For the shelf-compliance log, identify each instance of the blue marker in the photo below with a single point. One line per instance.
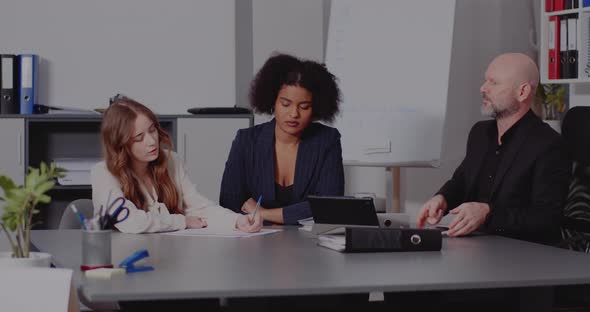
(80, 217)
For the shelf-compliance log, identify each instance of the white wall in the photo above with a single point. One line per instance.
(579, 95)
(170, 55)
(294, 27)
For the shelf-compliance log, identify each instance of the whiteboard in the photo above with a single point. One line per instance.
(392, 59)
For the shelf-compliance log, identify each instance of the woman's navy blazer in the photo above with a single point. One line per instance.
(250, 169)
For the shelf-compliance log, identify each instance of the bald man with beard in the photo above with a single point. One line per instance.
(514, 178)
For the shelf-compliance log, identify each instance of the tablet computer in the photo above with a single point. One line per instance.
(332, 212)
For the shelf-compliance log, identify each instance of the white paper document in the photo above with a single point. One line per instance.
(336, 242)
(35, 289)
(212, 232)
(307, 224)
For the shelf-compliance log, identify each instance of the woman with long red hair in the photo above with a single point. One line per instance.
(140, 166)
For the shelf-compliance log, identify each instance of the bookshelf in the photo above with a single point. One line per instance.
(581, 38)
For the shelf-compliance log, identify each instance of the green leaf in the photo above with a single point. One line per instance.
(21, 200)
(43, 187)
(60, 172)
(43, 168)
(31, 179)
(44, 199)
(11, 224)
(6, 184)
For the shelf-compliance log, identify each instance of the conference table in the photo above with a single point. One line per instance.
(289, 263)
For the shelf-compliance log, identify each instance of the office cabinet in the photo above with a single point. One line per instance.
(204, 144)
(12, 136)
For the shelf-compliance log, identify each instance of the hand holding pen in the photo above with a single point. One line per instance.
(251, 222)
(256, 209)
(249, 206)
(245, 224)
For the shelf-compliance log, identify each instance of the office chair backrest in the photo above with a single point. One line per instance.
(575, 130)
(576, 220)
(69, 220)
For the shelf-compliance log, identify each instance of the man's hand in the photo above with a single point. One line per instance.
(432, 211)
(195, 223)
(468, 218)
(245, 223)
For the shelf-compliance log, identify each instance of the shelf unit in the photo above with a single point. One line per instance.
(582, 44)
(203, 141)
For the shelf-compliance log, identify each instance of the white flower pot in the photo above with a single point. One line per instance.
(555, 124)
(35, 260)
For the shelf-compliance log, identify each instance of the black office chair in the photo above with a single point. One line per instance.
(575, 229)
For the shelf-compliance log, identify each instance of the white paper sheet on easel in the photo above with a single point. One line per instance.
(212, 232)
(34, 289)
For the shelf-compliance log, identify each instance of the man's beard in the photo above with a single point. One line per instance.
(498, 111)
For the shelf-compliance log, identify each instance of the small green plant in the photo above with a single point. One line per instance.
(20, 205)
(551, 100)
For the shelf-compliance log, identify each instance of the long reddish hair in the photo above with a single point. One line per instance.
(116, 134)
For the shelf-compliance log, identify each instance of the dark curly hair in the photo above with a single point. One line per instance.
(286, 70)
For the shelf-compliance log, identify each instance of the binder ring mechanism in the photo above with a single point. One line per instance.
(415, 239)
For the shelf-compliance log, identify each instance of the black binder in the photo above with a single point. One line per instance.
(572, 46)
(380, 239)
(8, 84)
(563, 68)
(570, 4)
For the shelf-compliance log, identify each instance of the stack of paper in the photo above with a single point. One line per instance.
(78, 170)
(306, 224)
(332, 241)
(213, 232)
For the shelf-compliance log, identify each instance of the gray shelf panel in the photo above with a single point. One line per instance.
(73, 139)
(72, 187)
(67, 117)
(69, 138)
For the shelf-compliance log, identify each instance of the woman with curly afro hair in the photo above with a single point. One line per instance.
(291, 156)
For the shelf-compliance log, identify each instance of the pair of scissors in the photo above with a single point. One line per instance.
(120, 214)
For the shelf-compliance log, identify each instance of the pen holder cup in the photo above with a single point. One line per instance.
(96, 249)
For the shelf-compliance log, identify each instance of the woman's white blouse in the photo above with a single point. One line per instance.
(156, 218)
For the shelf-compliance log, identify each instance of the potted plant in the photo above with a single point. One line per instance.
(20, 206)
(551, 104)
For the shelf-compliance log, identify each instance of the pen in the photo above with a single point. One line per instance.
(80, 217)
(256, 209)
